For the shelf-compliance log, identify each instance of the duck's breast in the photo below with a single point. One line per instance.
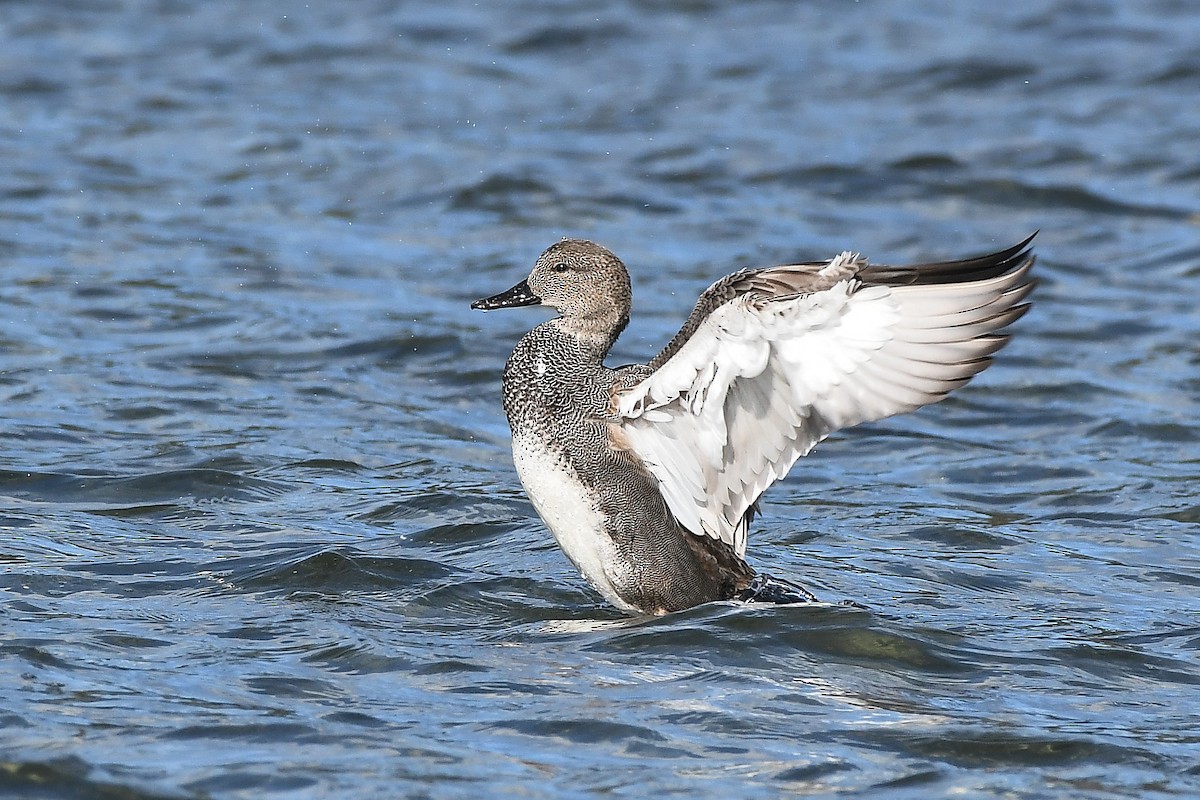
(571, 509)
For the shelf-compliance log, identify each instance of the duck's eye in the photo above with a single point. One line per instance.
(561, 266)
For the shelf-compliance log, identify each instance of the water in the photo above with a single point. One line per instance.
(259, 531)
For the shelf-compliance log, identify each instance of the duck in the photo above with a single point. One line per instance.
(649, 475)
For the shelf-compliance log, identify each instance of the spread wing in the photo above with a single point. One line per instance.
(772, 361)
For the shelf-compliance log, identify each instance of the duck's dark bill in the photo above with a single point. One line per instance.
(519, 295)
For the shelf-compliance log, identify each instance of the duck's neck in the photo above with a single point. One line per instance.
(594, 333)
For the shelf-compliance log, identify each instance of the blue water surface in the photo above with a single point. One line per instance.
(260, 534)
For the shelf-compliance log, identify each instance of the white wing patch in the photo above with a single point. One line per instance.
(763, 379)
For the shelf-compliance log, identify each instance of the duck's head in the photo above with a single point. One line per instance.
(584, 282)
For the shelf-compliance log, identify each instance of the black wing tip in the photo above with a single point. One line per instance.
(1019, 256)
(1001, 261)
(1018, 252)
